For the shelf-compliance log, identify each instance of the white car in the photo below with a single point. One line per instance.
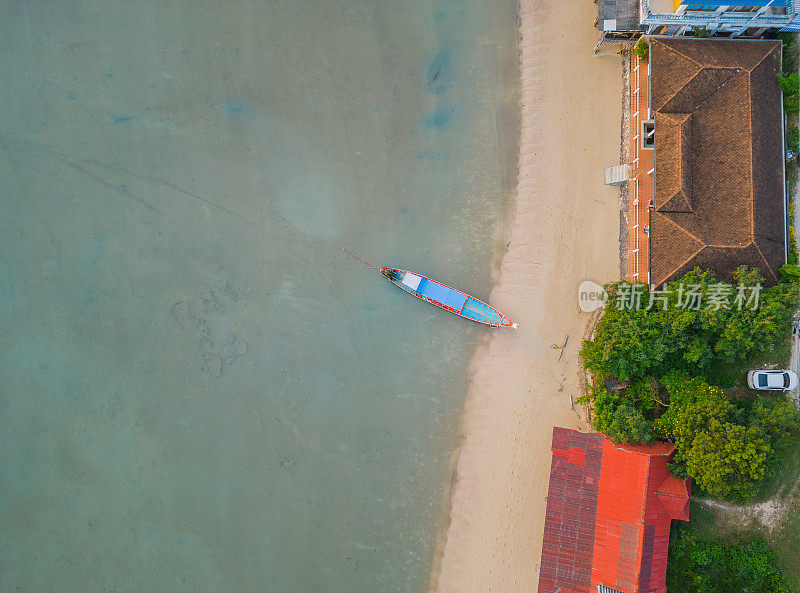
(772, 380)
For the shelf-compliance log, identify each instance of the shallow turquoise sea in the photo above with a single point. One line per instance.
(198, 390)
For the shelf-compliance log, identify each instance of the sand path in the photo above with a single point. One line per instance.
(565, 230)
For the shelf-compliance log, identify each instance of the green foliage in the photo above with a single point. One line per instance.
(790, 273)
(699, 32)
(697, 566)
(788, 83)
(626, 415)
(641, 49)
(793, 257)
(632, 344)
(659, 359)
(628, 425)
(727, 449)
(683, 391)
(778, 419)
(725, 459)
(793, 140)
(791, 52)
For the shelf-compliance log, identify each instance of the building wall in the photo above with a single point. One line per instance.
(641, 184)
(723, 19)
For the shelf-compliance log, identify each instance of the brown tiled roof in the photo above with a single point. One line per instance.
(719, 198)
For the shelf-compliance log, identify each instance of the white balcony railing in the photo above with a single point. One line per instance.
(765, 17)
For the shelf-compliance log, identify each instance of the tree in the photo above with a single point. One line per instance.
(684, 391)
(664, 357)
(724, 458)
(790, 51)
(697, 566)
(793, 140)
(788, 84)
(790, 273)
(641, 49)
(628, 425)
(631, 343)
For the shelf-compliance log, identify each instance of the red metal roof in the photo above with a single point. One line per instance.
(608, 515)
(568, 543)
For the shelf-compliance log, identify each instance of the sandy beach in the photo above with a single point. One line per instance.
(565, 230)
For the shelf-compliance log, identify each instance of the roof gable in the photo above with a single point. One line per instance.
(674, 178)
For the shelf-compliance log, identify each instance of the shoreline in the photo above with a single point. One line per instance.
(563, 230)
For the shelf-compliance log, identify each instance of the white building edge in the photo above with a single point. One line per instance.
(619, 19)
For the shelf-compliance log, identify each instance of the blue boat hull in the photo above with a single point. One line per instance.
(447, 298)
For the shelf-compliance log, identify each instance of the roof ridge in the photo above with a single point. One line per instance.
(766, 55)
(669, 199)
(683, 55)
(675, 224)
(673, 115)
(658, 493)
(644, 494)
(764, 259)
(622, 447)
(738, 70)
(687, 260)
(663, 42)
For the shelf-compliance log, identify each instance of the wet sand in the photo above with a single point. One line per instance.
(565, 230)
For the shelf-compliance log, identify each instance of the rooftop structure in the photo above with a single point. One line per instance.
(609, 509)
(618, 15)
(749, 18)
(706, 155)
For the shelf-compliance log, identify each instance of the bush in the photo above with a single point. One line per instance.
(658, 361)
(635, 344)
(697, 566)
(788, 83)
(793, 140)
(791, 52)
(724, 458)
(793, 257)
(790, 273)
(726, 448)
(641, 49)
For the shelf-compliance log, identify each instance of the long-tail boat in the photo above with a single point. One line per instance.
(443, 296)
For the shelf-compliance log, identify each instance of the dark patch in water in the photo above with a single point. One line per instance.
(441, 118)
(235, 107)
(437, 72)
(122, 119)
